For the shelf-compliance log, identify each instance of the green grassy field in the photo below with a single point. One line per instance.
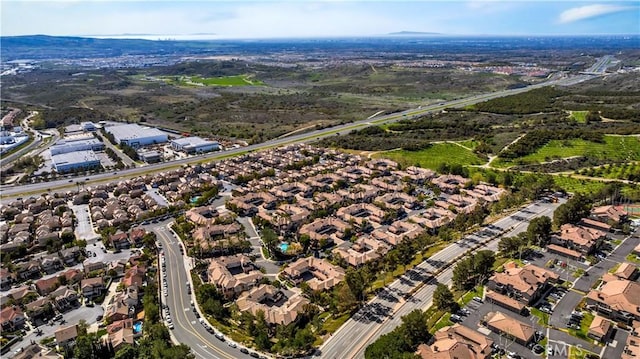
(240, 80)
(227, 81)
(433, 156)
(579, 116)
(575, 185)
(623, 148)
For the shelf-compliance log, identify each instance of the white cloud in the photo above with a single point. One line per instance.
(590, 11)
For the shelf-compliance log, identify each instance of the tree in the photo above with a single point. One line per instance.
(389, 346)
(127, 352)
(483, 262)
(576, 208)
(509, 246)
(461, 273)
(443, 298)
(356, 283)
(270, 239)
(414, 328)
(539, 231)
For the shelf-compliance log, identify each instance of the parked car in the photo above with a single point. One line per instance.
(478, 299)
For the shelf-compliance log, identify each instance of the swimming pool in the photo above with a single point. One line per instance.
(137, 327)
(195, 199)
(283, 247)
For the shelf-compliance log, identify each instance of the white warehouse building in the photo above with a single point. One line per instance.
(67, 162)
(63, 146)
(194, 145)
(136, 136)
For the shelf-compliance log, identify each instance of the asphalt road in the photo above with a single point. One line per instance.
(384, 312)
(10, 192)
(188, 329)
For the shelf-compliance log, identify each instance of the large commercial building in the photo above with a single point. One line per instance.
(64, 146)
(194, 145)
(81, 160)
(136, 136)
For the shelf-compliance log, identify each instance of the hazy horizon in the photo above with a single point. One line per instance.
(312, 19)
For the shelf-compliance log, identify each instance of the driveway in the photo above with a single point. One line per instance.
(480, 310)
(84, 228)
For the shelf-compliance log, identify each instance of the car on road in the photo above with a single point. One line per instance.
(254, 355)
(171, 326)
(233, 345)
(244, 350)
(219, 336)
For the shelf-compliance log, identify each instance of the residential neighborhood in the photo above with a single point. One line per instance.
(271, 236)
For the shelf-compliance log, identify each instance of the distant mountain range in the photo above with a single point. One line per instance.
(43, 47)
(414, 33)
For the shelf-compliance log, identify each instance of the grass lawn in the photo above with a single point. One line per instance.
(469, 143)
(240, 80)
(433, 156)
(579, 116)
(468, 296)
(579, 353)
(623, 148)
(332, 324)
(543, 318)
(633, 258)
(584, 327)
(445, 321)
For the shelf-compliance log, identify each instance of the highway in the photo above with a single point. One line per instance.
(188, 329)
(7, 192)
(384, 312)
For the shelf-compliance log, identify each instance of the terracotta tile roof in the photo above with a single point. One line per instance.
(600, 326)
(510, 326)
(618, 294)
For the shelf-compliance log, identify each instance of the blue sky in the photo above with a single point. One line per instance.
(300, 18)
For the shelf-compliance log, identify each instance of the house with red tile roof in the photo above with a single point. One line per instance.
(498, 322)
(362, 250)
(526, 284)
(457, 342)
(233, 274)
(618, 299)
(582, 239)
(277, 308)
(46, 286)
(610, 214)
(12, 318)
(318, 273)
(600, 329)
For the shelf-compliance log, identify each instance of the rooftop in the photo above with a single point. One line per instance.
(74, 157)
(133, 131)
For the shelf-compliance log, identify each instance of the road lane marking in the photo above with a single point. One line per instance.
(186, 328)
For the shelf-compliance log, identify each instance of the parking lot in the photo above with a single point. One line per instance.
(479, 310)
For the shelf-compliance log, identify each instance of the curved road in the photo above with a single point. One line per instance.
(38, 188)
(188, 329)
